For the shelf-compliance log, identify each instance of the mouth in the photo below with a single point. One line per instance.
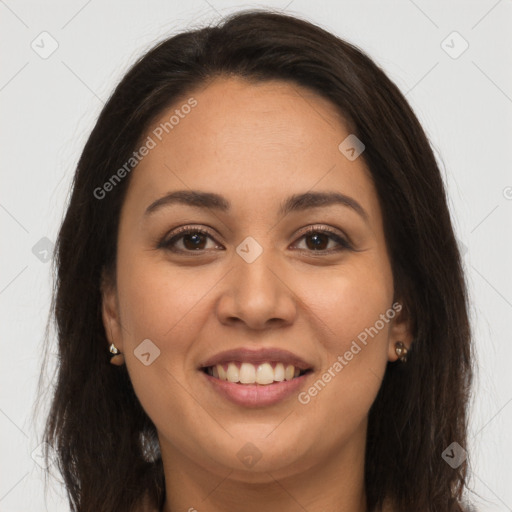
(255, 378)
(261, 374)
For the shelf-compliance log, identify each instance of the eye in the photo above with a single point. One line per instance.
(317, 239)
(189, 239)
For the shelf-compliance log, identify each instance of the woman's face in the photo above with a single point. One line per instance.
(257, 156)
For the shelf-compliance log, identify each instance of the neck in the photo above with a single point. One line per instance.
(334, 483)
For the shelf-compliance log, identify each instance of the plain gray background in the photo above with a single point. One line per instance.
(49, 104)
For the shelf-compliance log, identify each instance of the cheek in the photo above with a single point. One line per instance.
(348, 301)
(161, 304)
(353, 310)
(156, 298)
(355, 313)
(164, 302)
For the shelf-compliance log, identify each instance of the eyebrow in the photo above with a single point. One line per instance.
(294, 203)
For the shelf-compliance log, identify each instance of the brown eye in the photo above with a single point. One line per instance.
(194, 241)
(191, 240)
(319, 241)
(318, 238)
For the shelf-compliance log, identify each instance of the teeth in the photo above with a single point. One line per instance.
(279, 372)
(251, 374)
(264, 374)
(232, 373)
(289, 372)
(247, 373)
(222, 373)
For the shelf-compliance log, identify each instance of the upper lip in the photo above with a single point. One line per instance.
(258, 356)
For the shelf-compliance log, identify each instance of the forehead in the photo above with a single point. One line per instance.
(249, 140)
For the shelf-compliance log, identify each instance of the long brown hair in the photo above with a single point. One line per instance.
(106, 446)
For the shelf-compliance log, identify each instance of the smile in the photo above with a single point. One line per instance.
(247, 373)
(244, 389)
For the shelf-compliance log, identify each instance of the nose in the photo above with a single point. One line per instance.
(257, 294)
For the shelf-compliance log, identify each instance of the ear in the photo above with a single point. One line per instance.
(400, 329)
(110, 310)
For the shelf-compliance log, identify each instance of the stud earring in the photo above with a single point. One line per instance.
(401, 351)
(117, 358)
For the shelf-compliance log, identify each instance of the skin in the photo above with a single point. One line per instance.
(256, 144)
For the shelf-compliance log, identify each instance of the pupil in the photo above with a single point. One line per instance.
(317, 241)
(196, 237)
(193, 241)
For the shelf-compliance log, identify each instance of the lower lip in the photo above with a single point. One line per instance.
(256, 395)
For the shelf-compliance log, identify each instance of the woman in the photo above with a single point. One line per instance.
(258, 236)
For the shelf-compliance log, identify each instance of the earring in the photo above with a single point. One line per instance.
(117, 358)
(401, 351)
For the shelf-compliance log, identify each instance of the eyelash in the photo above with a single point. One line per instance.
(167, 243)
